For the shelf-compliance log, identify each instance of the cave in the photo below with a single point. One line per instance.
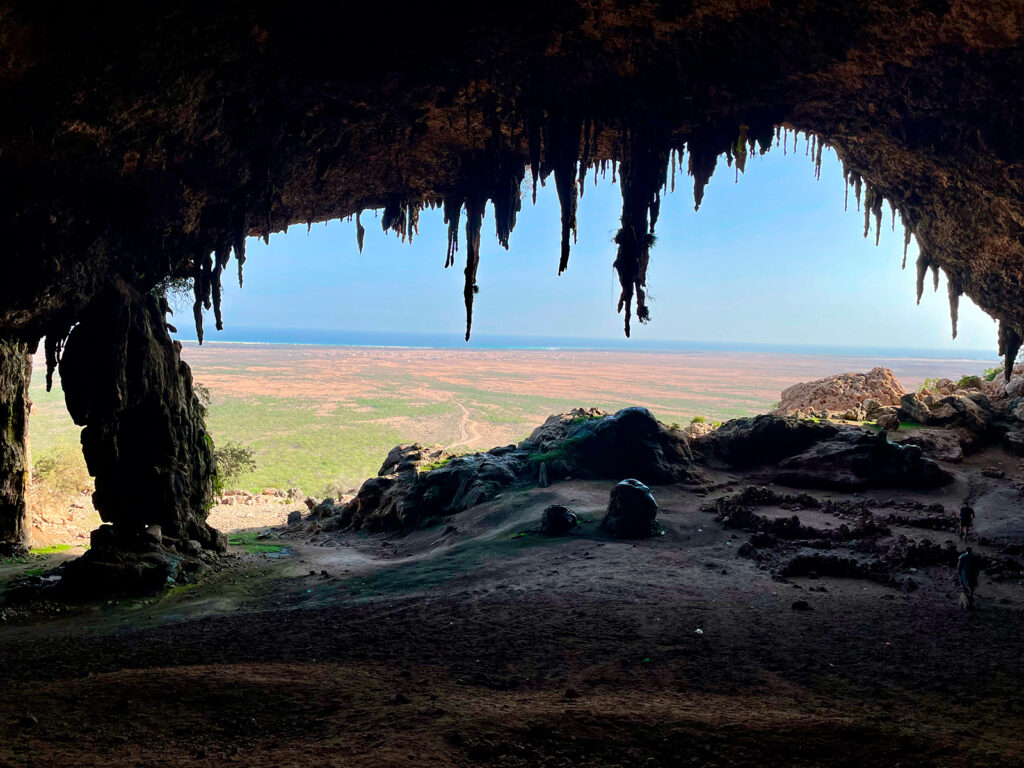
(140, 147)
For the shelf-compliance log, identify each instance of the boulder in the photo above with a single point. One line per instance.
(855, 460)
(294, 517)
(888, 422)
(632, 443)
(871, 408)
(764, 439)
(912, 407)
(842, 392)
(557, 520)
(1013, 440)
(409, 456)
(631, 511)
(697, 429)
(1014, 387)
(938, 444)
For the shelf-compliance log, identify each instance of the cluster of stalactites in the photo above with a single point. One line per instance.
(565, 145)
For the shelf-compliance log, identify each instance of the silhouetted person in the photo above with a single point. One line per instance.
(966, 521)
(967, 575)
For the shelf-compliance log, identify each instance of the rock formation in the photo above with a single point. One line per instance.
(15, 373)
(632, 510)
(841, 393)
(147, 148)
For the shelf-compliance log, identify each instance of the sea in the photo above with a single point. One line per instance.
(419, 340)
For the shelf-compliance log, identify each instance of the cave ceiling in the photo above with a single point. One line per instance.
(147, 142)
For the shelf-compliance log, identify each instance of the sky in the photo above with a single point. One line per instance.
(772, 259)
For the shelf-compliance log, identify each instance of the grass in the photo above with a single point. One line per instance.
(55, 549)
(249, 542)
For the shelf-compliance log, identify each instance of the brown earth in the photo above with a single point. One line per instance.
(482, 643)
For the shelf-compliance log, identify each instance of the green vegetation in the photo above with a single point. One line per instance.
(969, 382)
(698, 420)
(583, 418)
(927, 384)
(56, 549)
(234, 460)
(61, 467)
(565, 452)
(991, 373)
(250, 542)
(442, 462)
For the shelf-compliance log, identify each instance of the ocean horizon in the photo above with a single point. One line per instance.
(417, 340)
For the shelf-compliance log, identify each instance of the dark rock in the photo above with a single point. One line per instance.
(993, 472)
(913, 408)
(854, 460)
(631, 511)
(764, 439)
(557, 520)
(295, 516)
(943, 444)
(802, 605)
(632, 443)
(409, 456)
(542, 475)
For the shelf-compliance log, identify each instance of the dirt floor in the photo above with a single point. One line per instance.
(481, 642)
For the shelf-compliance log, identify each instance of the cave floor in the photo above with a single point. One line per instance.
(484, 643)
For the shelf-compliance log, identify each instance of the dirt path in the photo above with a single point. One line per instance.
(467, 434)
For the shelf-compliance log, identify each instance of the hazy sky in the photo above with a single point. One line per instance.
(772, 259)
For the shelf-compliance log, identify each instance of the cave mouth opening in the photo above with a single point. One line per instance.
(731, 164)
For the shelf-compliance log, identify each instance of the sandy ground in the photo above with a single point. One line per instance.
(480, 642)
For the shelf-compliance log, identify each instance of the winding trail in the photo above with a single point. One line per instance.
(466, 433)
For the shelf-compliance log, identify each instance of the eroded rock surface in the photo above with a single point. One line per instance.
(632, 511)
(841, 393)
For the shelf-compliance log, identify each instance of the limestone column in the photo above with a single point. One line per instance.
(15, 374)
(144, 435)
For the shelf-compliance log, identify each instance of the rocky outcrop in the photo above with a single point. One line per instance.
(15, 374)
(853, 460)
(632, 511)
(763, 439)
(842, 393)
(408, 456)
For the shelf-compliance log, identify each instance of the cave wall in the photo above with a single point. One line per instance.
(15, 375)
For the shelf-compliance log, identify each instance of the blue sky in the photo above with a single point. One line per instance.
(771, 259)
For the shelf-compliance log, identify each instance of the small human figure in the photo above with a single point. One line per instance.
(967, 575)
(966, 521)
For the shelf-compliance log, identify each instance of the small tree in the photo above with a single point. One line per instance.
(233, 461)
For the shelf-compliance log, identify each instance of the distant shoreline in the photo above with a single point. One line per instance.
(412, 341)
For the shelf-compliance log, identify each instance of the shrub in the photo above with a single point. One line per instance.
(62, 469)
(233, 460)
(969, 382)
(991, 373)
(928, 384)
(698, 420)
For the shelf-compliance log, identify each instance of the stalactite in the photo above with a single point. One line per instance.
(1009, 346)
(869, 199)
(239, 248)
(360, 231)
(955, 291)
(452, 211)
(702, 165)
(474, 221)
(643, 176)
(561, 156)
(876, 209)
(907, 233)
(817, 161)
(935, 276)
(201, 282)
(856, 188)
(922, 270)
(221, 256)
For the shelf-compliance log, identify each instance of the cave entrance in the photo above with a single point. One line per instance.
(772, 260)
